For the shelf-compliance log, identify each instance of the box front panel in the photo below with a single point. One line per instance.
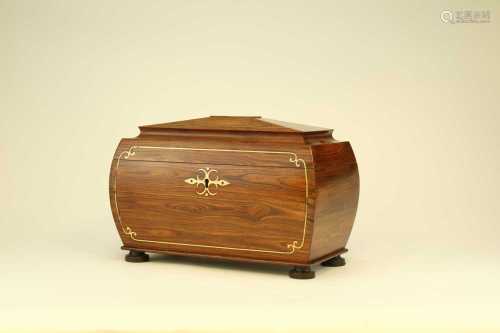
(238, 211)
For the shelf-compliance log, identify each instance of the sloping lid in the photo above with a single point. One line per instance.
(236, 124)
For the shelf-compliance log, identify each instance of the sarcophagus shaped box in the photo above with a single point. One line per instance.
(240, 188)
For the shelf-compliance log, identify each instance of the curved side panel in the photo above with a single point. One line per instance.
(112, 192)
(337, 193)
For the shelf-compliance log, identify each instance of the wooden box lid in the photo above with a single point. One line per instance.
(233, 124)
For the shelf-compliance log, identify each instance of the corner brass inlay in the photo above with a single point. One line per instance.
(291, 247)
(203, 178)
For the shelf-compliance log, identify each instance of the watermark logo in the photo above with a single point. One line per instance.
(465, 16)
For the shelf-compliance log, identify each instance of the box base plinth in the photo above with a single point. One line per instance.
(299, 270)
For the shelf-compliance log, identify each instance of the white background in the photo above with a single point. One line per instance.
(417, 98)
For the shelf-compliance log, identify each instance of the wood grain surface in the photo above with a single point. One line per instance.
(337, 192)
(289, 200)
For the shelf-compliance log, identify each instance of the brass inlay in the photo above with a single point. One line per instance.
(291, 247)
(205, 181)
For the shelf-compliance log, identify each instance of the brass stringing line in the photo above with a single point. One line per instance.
(116, 190)
(293, 159)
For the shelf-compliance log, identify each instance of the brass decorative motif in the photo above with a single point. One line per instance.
(291, 247)
(206, 182)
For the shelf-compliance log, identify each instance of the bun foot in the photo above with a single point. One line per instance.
(334, 262)
(301, 272)
(136, 256)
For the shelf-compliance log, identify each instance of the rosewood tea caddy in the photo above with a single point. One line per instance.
(237, 188)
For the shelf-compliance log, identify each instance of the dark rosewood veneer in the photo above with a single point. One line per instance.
(238, 188)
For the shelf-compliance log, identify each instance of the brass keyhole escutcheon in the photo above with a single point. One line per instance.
(203, 179)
